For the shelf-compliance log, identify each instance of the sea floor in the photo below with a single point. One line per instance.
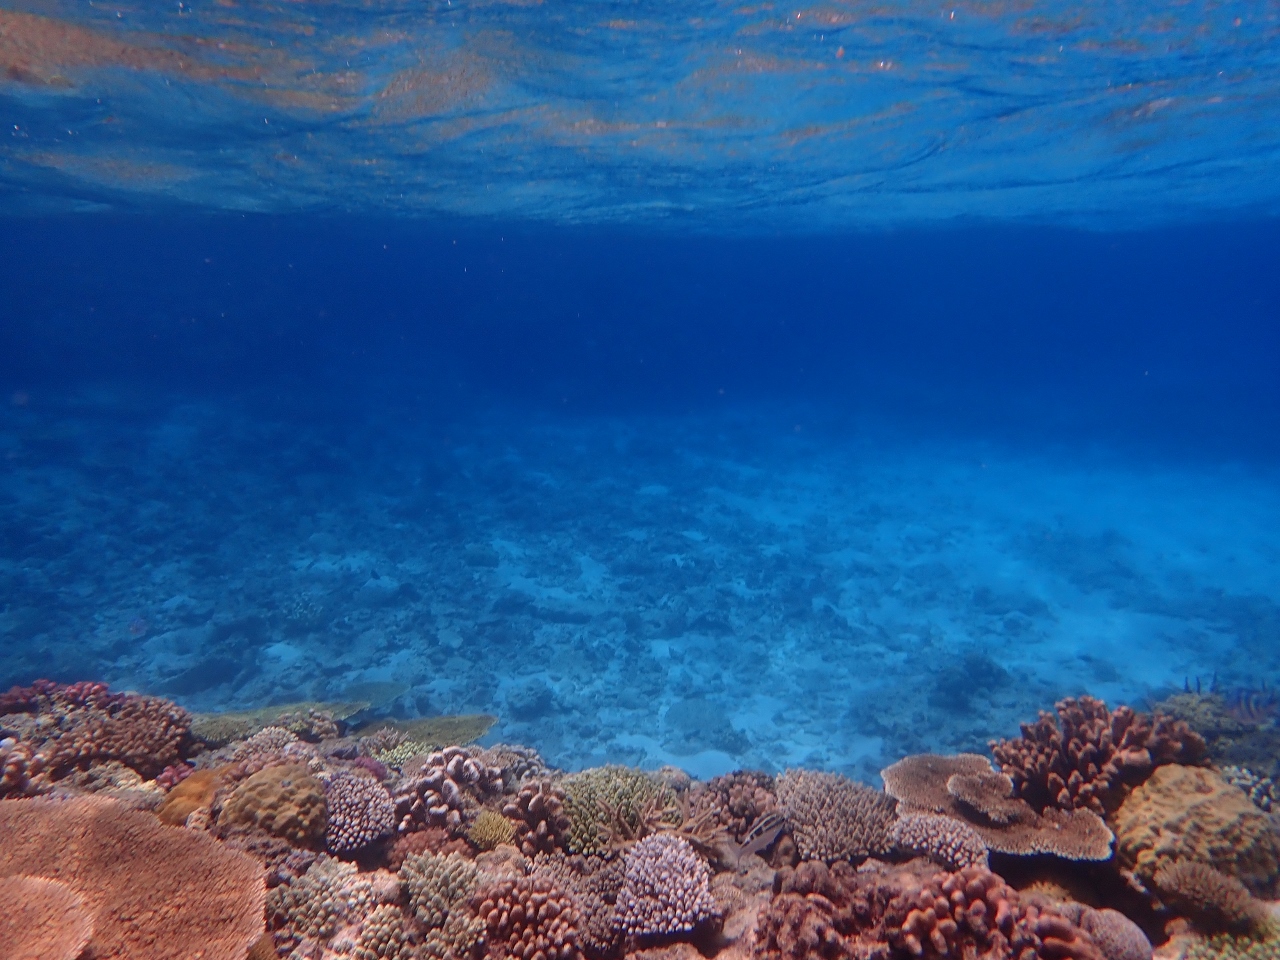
(744, 588)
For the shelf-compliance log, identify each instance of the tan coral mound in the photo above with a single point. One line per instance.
(286, 801)
(1188, 813)
(153, 891)
(42, 920)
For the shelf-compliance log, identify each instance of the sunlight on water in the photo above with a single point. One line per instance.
(793, 115)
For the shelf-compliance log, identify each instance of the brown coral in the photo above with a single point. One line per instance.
(1216, 902)
(736, 801)
(528, 918)
(965, 787)
(834, 818)
(20, 769)
(594, 884)
(944, 840)
(447, 785)
(1189, 813)
(286, 801)
(1088, 757)
(154, 890)
(541, 823)
(42, 920)
(193, 793)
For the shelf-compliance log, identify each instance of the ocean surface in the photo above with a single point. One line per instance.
(706, 384)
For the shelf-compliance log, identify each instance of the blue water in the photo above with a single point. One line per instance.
(646, 497)
(710, 384)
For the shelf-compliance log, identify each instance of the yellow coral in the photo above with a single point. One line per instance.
(490, 830)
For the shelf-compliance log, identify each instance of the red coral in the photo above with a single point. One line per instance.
(1089, 757)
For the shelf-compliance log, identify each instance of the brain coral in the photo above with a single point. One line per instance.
(944, 840)
(153, 890)
(42, 920)
(1088, 757)
(1189, 813)
(286, 801)
(666, 888)
(528, 918)
(359, 813)
(833, 818)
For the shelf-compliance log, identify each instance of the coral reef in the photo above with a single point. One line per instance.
(1260, 790)
(1233, 947)
(195, 792)
(1088, 757)
(541, 824)
(42, 919)
(360, 812)
(286, 801)
(944, 840)
(528, 918)
(135, 876)
(832, 817)
(666, 888)
(736, 801)
(491, 830)
(964, 786)
(1189, 813)
(20, 770)
(594, 884)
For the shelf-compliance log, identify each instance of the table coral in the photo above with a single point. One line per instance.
(286, 801)
(832, 817)
(666, 888)
(360, 812)
(1089, 757)
(42, 919)
(528, 918)
(1189, 813)
(964, 786)
(153, 890)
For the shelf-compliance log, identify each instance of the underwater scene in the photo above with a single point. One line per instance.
(619, 480)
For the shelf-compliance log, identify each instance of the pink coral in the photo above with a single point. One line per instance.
(666, 888)
(42, 920)
(20, 769)
(447, 784)
(528, 918)
(944, 840)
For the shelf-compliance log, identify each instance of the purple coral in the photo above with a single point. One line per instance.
(360, 812)
(436, 798)
(666, 888)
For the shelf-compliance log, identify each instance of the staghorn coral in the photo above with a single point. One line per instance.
(736, 801)
(286, 801)
(448, 783)
(1088, 757)
(1216, 902)
(137, 877)
(965, 787)
(384, 936)
(666, 888)
(491, 830)
(80, 724)
(42, 920)
(944, 840)
(1189, 813)
(834, 818)
(605, 800)
(528, 918)
(540, 821)
(359, 813)
(437, 885)
(974, 912)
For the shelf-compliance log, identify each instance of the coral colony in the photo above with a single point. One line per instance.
(132, 830)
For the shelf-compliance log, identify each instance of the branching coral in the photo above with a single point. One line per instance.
(448, 783)
(666, 888)
(491, 830)
(594, 884)
(1216, 902)
(944, 840)
(604, 801)
(153, 890)
(1088, 757)
(541, 824)
(20, 770)
(359, 813)
(736, 801)
(528, 918)
(834, 818)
